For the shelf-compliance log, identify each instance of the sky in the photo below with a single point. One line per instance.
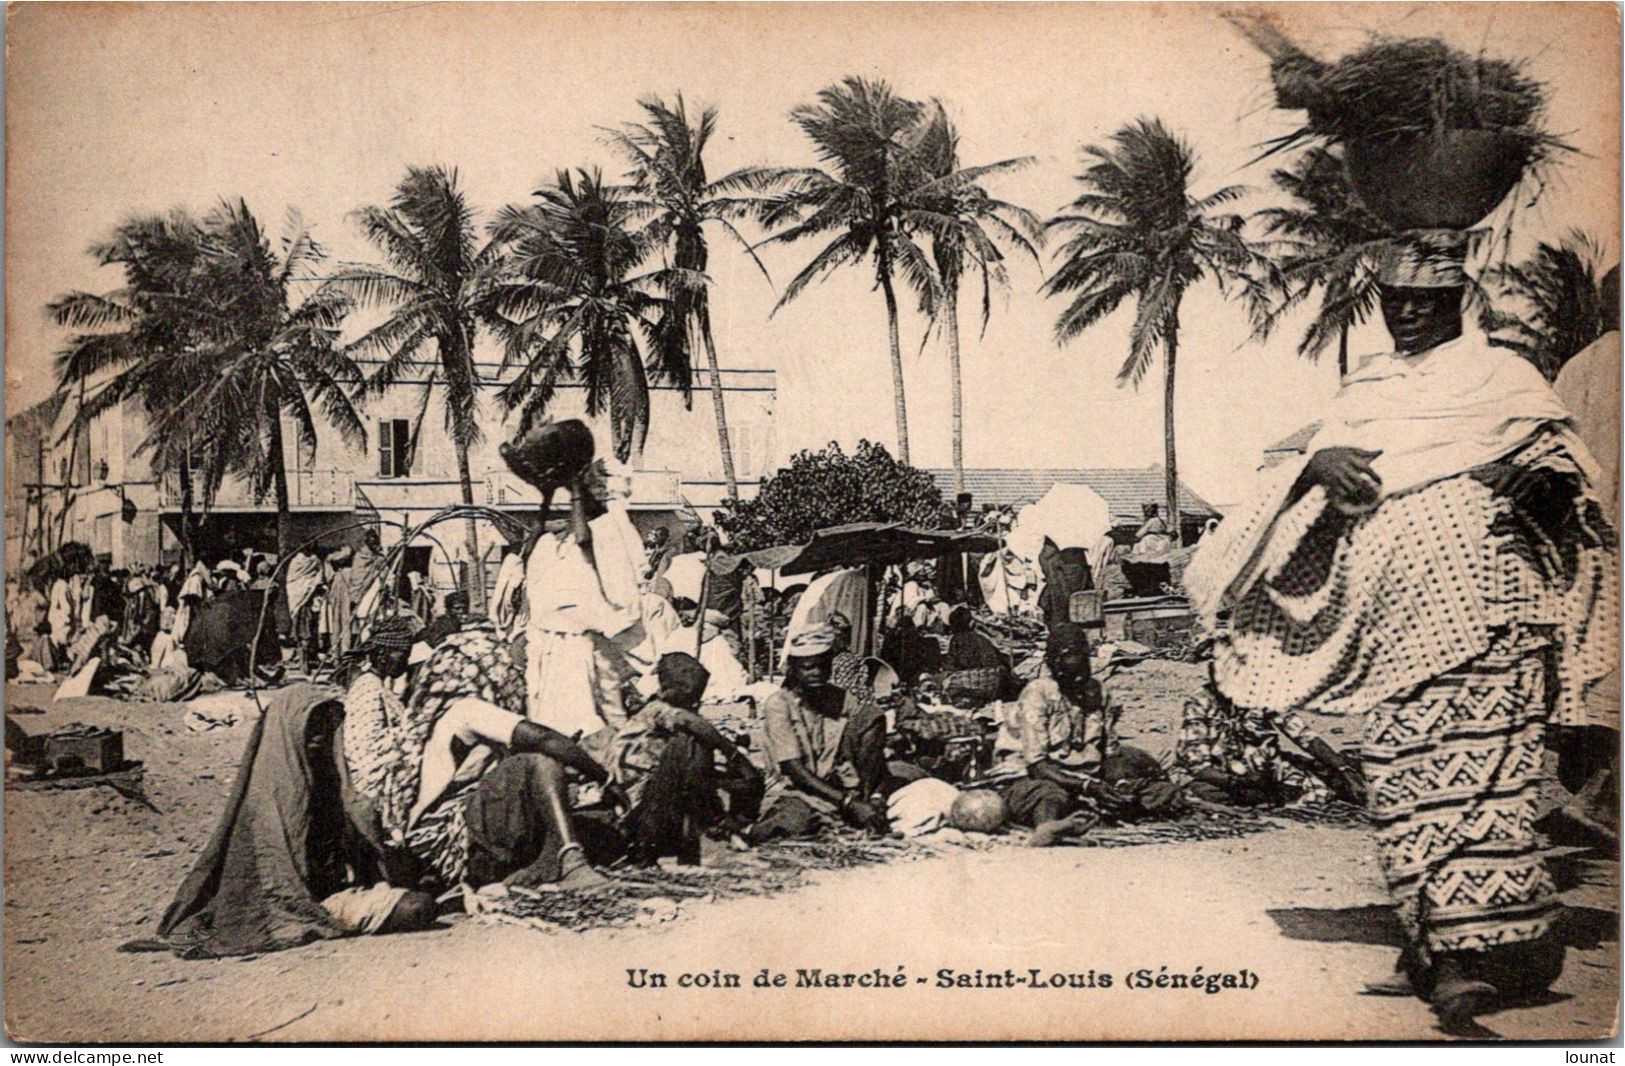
(114, 110)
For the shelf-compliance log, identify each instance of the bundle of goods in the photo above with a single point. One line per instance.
(970, 689)
(1016, 636)
(1432, 137)
(953, 747)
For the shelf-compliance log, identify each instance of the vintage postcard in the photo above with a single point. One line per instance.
(839, 522)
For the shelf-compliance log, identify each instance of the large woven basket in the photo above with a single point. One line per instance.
(1447, 180)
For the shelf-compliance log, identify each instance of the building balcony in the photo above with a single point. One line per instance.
(308, 490)
(652, 490)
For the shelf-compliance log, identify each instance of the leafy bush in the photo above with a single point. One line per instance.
(830, 488)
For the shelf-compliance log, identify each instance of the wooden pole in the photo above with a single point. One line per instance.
(705, 598)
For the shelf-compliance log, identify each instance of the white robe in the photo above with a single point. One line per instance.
(574, 666)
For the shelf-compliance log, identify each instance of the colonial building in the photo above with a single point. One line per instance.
(87, 486)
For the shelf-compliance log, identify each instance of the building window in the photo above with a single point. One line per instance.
(394, 447)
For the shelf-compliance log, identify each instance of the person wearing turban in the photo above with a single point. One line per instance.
(1440, 565)
(665, 759)
(825, 749)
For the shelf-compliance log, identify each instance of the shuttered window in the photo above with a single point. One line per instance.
(394, 447)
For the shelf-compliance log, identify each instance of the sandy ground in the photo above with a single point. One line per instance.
(1303, 908)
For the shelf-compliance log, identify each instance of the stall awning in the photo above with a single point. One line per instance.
(859, 544)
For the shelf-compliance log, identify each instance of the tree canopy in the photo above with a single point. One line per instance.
(830, 488)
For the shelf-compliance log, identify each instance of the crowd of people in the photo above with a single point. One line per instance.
(72, 616)
(1440, 565)
(561, 734)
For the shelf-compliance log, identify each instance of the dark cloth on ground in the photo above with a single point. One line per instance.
(1032, 801)
(1134, 774)
(790, 818)
(510, 828)
(682, 798)
(253, 890)
(221, 635)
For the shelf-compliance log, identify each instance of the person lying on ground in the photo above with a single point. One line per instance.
(472, 791)
(665, 759)
(1061, 766)
(1232, 755)
(826, 751)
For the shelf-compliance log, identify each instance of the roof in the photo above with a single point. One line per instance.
(1297, 442)
(1124, 490)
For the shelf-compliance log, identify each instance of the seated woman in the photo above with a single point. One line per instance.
(1232, 755)
(471, 790)
(290, 861)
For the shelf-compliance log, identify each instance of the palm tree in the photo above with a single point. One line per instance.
(128, 340)
(868, 136)
(433, 279)
(264, 353)
(574, 304)
(226, 351)
(667, 157)
(966, 226)
(1327, 241)
(1553, 304)
(1136, 232)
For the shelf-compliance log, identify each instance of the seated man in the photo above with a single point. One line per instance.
(825, 750)
(665, 759)
(454, 618)
(968, 649)
(1061, 763)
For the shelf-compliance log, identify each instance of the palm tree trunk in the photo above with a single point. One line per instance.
(896, 365)
(1342, 353)
(279, 481)
(950, 300)
(188, 498)
(723, 442)
(476, 567)
(1170, 462)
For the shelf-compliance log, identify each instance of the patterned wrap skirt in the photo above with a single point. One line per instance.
(475, 661)
(1454, 769)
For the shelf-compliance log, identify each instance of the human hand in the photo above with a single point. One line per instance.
(1110, 801)
(616, 797)
(865, 815)
(1346, 475)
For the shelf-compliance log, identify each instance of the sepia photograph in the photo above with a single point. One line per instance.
(841, 522)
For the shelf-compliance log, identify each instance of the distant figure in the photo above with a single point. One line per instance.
(453, 620)
(1152, 541)
(1066, 571)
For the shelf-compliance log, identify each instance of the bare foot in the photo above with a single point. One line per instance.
(1062, 830)
(576, 873)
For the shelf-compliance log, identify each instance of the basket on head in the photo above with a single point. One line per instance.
(1449, 179)
(549, 453)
